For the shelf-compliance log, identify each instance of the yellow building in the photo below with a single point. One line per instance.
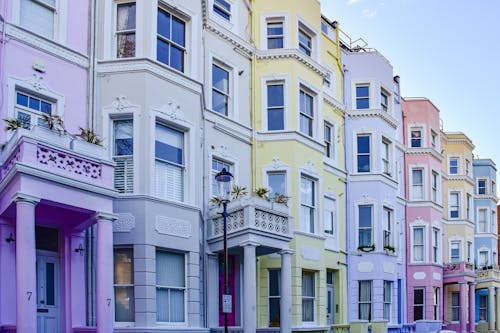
(298, 151)
(458, 216)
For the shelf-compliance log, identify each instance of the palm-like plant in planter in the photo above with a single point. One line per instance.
(90, 136)
(54, 123)
(14, 124)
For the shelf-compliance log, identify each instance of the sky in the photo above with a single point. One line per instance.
(445, 50)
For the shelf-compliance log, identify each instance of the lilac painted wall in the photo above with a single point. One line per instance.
(379, 188)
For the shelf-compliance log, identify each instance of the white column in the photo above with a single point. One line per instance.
(249, 288)
(25, 264)
(491, 312)
(472, 308)
(286, 291)
(498, 310)
(104, 273)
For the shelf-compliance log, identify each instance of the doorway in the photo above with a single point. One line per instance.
(330, 298)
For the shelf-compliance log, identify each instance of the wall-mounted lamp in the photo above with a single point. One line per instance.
(10, 239)
(334, 24)
(80, 249)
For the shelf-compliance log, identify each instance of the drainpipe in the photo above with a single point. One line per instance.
(348, 238)
(3, 41)
(92, 62)
(204, 213)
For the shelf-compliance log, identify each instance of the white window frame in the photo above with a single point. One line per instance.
(125, 158)
(308, 49)
(434, 140)
(370, 154)
(277, 37)
(423, 245)
(387, 299)
(230, 87)
(174, 12)
(435, 302)
(485, 180)
(372, 225)
(413, 185)
(332, 217)
(275, 80)
(127, 31)
(385, 107)
(436, 245)
(486, 222)
(127, 285)
(468, 206)
(271, 172)
(419, 304)
(224, 10)
(269, 296)
(185, 289)
(313, 297)
(369, 302)
(330, 148)
(314, 206)
(388, 226)
(450, 158)
(422, 139)
(459, 195)
(59, 11)
(213, 172)
(272, 18)
(435, 187)
(356, 97)
(486, 252)
(36, 116)
(386, 156)
(451, 243)
(313, 118)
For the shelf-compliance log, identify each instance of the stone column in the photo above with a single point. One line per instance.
(249, 288)
(104, 273)
(25, 264)
(463, 308)
(491, 308)
(498, 310)
(444, 310)
(286, 291)
(472, 308)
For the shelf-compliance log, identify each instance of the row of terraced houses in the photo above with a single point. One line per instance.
(119, 114)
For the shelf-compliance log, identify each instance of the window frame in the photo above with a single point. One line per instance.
(457, 167)
(281, 37)
(455, 308)
(329, 144)
(269, 296)
(117, 32)
(436, 245)
(385, 106)
(309, 297)
(483, 307)
(419, 305)
(414, 186)
(124, 285)
(485, 187)
(183, 48)
(55, 15)
(224, 163)
(224, 10)
(388, 226)
(360, 98)
(365, 302)
(452, 207)
(312, 208)
(358, 154)
(182, 166)
(386, 156)
(285, 183)
(413, 140)
(415, 245)
(483, 252)
(127, 188)
(370, 228)
(226, 94)
(305, 49)
(435, 182)
(387, 299)
(267, 107)
(458, 244)
(333, 216)
(35, 115)
(308, 95)
(486, 222)
(185, 289)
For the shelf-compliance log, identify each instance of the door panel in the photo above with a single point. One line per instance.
(48, 286)
(330, 304)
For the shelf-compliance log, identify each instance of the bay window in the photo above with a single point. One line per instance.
(365, 225)
(307, 204)
(275, 107)
(170, 40)
(123, 155)
(306, 113)
(365, 300)
(125, 29)
(308, 296)
(124, 284)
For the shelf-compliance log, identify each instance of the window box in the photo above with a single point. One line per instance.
(389, 248)
(366, 248)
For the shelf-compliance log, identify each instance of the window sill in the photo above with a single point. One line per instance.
(309, 234)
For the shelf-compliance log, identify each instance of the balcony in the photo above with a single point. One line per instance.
(41, 150)
(251, 219)
(488, 274)
(454, 272)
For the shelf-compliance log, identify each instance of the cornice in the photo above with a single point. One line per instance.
(238, 42)
(486, 197)
(374, 113)
(229, 127)
(46, 45)
(276, 54)
(334, 103)
(152, 67)
(458, 178)
(425, 151)
(291, 136)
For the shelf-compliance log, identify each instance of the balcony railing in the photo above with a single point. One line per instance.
(458, 267)
(252, 214)
(42, 149)
(487, 273)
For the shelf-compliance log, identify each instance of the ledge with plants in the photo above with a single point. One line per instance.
(389, 248)
(366, 248)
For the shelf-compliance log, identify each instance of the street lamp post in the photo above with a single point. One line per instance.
(224, 180)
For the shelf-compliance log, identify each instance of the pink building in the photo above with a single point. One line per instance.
(424, 213)
(53, 185)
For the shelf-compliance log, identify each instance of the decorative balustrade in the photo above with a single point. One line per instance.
(62, 154)
(339, 328)
(458, 268)
(487, 273)
(254, 214)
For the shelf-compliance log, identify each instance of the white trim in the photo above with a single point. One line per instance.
(365, 201)
(459, 165)
(310, 171)
(230, 24)
(227, 65)
(422, 127)
(317, 108)
(461, 247)
(423, 168)
(332, 241)
(285, 80)
(424, 225)
(303, 25)
(460, 208)
(275, 17)
(372, 135)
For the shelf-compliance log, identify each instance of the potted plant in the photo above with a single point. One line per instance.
(281, 199)
(54, 123)
(90, 136)
(262, 192)
(366, 248)
(389, 248)
(14, 124)
(238, 192)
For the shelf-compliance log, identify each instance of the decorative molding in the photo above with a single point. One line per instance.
(124, 223)
(172, 110)
(121, 104)
(277, 164)
(419, 275)
(334, 103)
(365, 267)
(310, 253)
(389, 268)
(354, 113)
(68, 163)
(26, 37)
(247, 48)
(277, 54)
(173, 227)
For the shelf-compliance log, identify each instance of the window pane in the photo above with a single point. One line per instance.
(277, 183)
(162, 304)
(162, 49)
(170, 269)
(50, 283)
(274, 29)
(177, 58)
(362, 91)
(220, 78)
(275, 95)
(274, 312)
(24, 118)
(123, 133)
(362, 103)
(126, 45)
(169, 144)
(37, 18)
(34, 103)
(163, 21)
(126, 16)
(124, 304)
(275, 43)
(22, 99)
(219, 102)
(124, 271)
(275, 119)
(178, 32)
(365, 216)
(176, 305)
(274, 282)
(364, 144)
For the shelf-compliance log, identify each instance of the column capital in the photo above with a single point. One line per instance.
(105, 216)
(286, 251)
(249, 243)
(23, 197)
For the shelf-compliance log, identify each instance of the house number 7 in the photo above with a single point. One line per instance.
(29, 293)
(108, 300)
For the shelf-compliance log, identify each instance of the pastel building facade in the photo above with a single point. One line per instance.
(149, 107)
(298, 151)
(459, 228)
(53, 184)
(487, 297)
(424, 212)
(375, 190)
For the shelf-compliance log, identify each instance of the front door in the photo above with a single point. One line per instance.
(48, 286)
(330, 299)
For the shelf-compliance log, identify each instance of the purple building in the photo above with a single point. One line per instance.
(375, 190)
(53, 184)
